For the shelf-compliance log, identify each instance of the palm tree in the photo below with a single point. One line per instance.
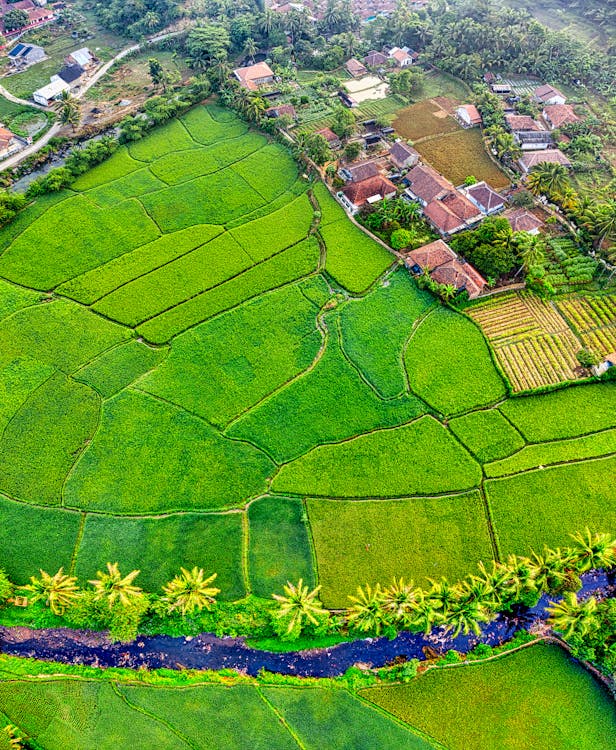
(114, 588)
(593, 551)
(58, 591)
(549, 179)
(549, 569)
(572, 616)
(254, 106)
(250, 48)
(190, 591)
(605, 222)
(299, 603)
(68, 107)
(465, 614)
(447, 292)
(532, 251)
(367, 611)
(426, 612)
(398, 600)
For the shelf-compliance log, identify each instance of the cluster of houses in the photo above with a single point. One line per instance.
(78, 64)
(389, 57)
(38, 12)
(533, 136)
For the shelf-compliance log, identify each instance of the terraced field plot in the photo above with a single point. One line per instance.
(533, 342)
(198, 369)
(594, 320)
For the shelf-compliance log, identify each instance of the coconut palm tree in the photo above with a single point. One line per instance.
(299, 604)
(426, 612)
(114, 588)
(447, 292)
(593, 551)
(68, 108)
(250, 48)
(532, 251)
(570, 616)
(548, 179)
(605, 221)
(549, 569)
(398, 600)
(254, 107)
(190, 591)
(367, 611)
(497, 583)
(465, 615)
(58, 591)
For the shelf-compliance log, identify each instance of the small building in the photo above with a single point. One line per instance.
(39, 16)
(489, 78)
(403, 56)
(358, 172)
(501, 88)
(9, 143)
(522, 220)
(549, 156)
(280, 110)
(332, 139)
(452, 213)
(403, 156)
(347, 99)
(82, 57)
(549, 95)
(444, 267)
(469, 116)
(487, 200)
(460, 274)
(429, 257)
(71, 74)
(252, 77)
(558, 115)
(46, 95)
(355, 68)
(519, 123)
(533, 140)
(372, 190)
(24, 55)
(425, 184)
(375, 59)
(603, 367)
(372, 139)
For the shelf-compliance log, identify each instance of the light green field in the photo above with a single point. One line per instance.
(536, 698)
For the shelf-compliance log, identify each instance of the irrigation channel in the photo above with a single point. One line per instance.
(207, 651)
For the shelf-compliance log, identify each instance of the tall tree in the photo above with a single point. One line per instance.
(57, 591)
(299, 604)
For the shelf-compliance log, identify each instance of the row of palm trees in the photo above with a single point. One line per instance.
(464, 606)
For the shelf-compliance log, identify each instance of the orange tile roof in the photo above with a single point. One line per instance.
(460, 274)
(560, 114)
(359, 192)
(426, 183)
(430, 256)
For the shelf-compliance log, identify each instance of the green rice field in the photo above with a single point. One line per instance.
(198, 367)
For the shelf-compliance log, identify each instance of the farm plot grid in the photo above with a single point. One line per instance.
(594, 320)
(533, 343)
(198, 368)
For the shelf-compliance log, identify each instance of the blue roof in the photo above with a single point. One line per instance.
(17, 50)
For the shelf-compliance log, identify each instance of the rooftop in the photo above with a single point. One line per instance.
(522, 122)
(359, 192)
(549, 155)
(426, 183)
(560, 114)
(430, 256)
(462, 275)
(485, 196)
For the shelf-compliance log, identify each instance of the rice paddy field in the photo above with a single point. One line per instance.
(198, 368)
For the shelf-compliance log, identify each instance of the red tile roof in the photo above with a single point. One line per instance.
(328, 134)
(546, 92)
(426, 183)
(251, 74)
(522, 122)
(560, 114)
(460, 274)
(374, 59)
(359, 192)
(550, 156)
(473, 113)
(430, 256)
(355, 68)
(6, 136)
(485, 197)
(522, 220)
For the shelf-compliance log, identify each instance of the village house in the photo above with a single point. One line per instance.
(549, 95)
(425, 184)
(403, 156)
(468, 116)
(9, 143)
(500, 88)
(332, 139)
(372, 190)
(24, 55)
(444, 267)
(557, 115)
(355, 68)
(37, 16)
(403, 56)
(521, 220)
(358, 172)
(522, 123)
(452, 213)
(375, 59)
(549, 156)
(280, 110)
(487, 200)
(82, 57)
(252, 77)
(46, 95)
(528, 133)
(70, 74)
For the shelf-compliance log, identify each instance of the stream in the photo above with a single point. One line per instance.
(207, 651)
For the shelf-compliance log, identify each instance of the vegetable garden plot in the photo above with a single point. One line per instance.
(359, 542)
(594, 319)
